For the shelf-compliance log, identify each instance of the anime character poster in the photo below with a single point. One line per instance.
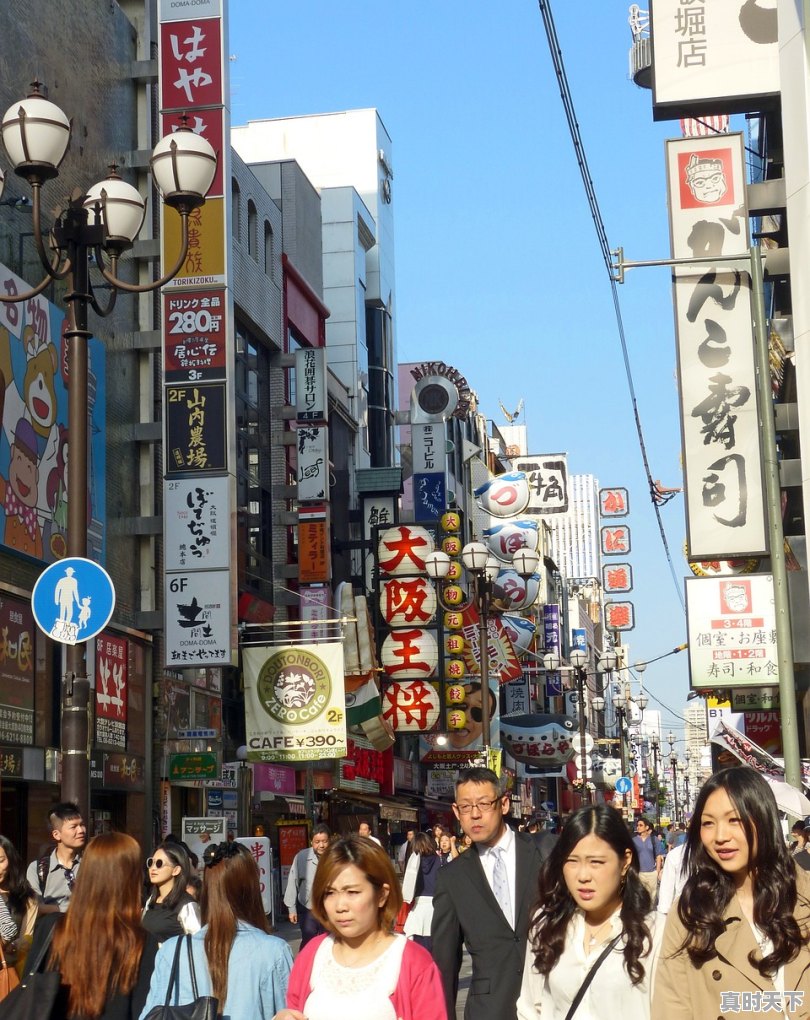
(34, 439)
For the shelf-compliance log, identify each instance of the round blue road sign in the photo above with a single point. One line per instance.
(623, 784)
(73, 600)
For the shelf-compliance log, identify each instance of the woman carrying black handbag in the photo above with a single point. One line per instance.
(99, 949)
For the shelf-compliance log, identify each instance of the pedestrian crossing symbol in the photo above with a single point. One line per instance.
(73, 600)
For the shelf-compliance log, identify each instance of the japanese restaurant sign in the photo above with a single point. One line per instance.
(711, 55)
(547, 474)
(16, 672)
(716, 359)
(732, 631)
(198, 350)
(111, 691)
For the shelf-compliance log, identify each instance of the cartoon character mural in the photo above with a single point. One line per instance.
(34, 434)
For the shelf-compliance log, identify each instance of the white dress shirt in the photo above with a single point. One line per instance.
(488, 855)
(611, 994)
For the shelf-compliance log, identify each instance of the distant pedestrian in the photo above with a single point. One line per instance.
(418, 888)
(52, 875)
(650, 856)
(406, 848)
(298, 894)
(364, 829)
(673, 878)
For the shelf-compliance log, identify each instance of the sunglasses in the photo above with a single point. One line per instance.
(158, 862)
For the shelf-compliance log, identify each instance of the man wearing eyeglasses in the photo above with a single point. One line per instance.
(52, 875)
(483, 900)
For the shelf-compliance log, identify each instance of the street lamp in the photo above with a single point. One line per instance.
(655, 747)
(484, 568)
(100, 224)
(673, 760)
(687, 800)
(578, 657)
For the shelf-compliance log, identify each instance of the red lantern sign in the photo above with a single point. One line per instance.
(411, 707)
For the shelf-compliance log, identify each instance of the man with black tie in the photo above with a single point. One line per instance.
(483, 900)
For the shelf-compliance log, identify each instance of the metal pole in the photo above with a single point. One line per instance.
(674, 790)
(75, 685)
(657, 787)
(483, 641)
(776, 536)
(586, 794)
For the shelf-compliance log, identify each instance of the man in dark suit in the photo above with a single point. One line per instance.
(483, 900)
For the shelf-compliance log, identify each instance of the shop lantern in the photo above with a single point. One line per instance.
(452, 545)
(520, 632)
(453, 621)
(402, 550)
(454, 669)
(511, 591)
(450, 522)
(456, 719)
(454, 644)
(411, 707)
(504, 496)
(410, 654)
(455, 694)
(408, 602)
(504, 540)
(453, 595)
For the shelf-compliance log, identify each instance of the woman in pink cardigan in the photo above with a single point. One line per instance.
(360, 968)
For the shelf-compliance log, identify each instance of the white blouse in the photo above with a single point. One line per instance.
(365, 992)
(611, 994)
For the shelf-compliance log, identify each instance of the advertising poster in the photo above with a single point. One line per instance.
(200, 833)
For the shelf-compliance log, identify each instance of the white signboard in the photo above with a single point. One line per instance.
(716, 360)
(311, 402)
(196, 518)
(315, 603)
(548, 482)
(711, 55)
(313, 463)
(429, 448)
(197, 618)
(182, 10)
(732, 631)
(295, 706)
(201, 833)
(262, 853)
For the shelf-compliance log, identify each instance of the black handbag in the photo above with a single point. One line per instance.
(36, 994)
(202, 1007)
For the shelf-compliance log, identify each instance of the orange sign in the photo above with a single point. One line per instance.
(314, 564)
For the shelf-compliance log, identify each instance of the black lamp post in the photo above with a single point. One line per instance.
(101, 224)
(655, 747)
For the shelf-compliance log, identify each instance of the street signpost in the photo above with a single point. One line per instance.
(73, 600)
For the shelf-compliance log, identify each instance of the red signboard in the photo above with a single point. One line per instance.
(503, 662)
(191, 64)
(111, 691)
(194, 335)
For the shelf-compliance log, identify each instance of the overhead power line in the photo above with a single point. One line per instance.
(604, 246)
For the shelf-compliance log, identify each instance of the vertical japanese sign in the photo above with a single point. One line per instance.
(716, 359)
(732, 631)
(111, 691)
(707, 54)
(311, 403)
(16, 672)
(198, 350)
(429, 447)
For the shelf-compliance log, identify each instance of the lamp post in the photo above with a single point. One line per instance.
(655, 747)
(687, 799)
(484, 568)
(578, 657)
(673, 760)
(101, 224)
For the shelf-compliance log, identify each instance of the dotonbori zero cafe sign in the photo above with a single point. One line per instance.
(716, 359)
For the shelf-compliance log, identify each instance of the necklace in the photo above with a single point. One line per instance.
(593, 936)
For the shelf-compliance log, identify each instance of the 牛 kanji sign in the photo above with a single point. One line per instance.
(732, 631)
(547, 476)
(716, 360)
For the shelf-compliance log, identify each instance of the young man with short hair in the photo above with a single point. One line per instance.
(52, 875)
(484, 900)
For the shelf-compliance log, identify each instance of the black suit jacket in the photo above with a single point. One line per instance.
(465, 912)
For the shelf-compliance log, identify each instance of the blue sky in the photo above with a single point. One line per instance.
(497, 264)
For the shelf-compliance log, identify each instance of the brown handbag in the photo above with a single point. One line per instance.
(8, 976)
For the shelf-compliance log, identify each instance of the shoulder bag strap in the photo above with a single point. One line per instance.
(583, 988)
(33, 965)
(173, 975)
(194, 995)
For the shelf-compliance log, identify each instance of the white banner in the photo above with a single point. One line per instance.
(548, 482)
(295, 707)
(197, 608)
(196, 514)
(311, 402)
(716, 359)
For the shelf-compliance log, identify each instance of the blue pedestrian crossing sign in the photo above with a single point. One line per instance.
(623, 785)
(73, 600)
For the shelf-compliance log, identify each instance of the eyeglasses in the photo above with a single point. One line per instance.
(158, 862)
(482, 806)
(70, 878)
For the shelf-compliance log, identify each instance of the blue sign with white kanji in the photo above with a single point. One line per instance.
(73, 600)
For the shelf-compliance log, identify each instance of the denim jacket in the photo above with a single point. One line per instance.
(258, 970)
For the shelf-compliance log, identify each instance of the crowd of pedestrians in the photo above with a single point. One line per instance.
(594, 923)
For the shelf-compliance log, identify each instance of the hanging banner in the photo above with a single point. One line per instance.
(295, 707)
(313, 463)
(716, 360)
(311, 401)
(547, 475)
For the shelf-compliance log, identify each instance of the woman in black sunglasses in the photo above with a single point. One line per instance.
(170, 910)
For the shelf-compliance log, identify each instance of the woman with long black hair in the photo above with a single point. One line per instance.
(18, 906)
(170, 909)
(739, 939)
(591, 934)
